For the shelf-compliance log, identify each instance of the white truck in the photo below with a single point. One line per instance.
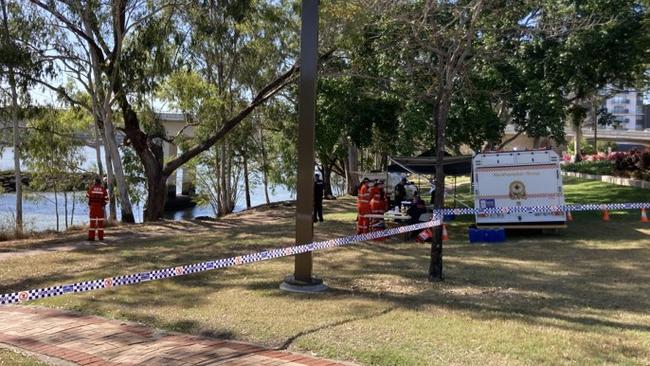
(518, 179)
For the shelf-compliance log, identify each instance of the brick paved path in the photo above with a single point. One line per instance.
(91, 340)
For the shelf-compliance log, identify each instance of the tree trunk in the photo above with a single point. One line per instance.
(56, 207)
(156, 196)
(102, 103)
(118, 169)
(74, 196)
(222, 180)
(65, 208)
(265, 168)
(594, 119)
(352, 167)
(110, 182)
(218, 167)
(16, 136)
(577, 157)
(246, 186)
(98, 101)
(98, 150)
(232, 191)
(536, 142)
(440, 119)
(16, 146)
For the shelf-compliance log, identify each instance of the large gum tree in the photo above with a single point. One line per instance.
(132, 41)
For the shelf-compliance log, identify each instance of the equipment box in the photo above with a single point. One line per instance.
(487, 235)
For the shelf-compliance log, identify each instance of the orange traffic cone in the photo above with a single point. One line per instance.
(644, 217)
(445, 236)
(569, 217)
(605, 215)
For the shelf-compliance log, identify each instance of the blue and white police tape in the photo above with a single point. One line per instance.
(159, 274)
(130, 279)
(547, 208)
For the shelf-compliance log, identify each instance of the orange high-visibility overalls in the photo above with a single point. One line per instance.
(378, 207)
(97, 199)
(363, 207)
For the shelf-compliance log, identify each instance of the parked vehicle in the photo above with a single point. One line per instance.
(518, 179)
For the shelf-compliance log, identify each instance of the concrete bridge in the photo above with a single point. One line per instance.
(174, 124)
(604, 134)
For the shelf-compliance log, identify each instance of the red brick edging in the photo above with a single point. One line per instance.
(95, 341)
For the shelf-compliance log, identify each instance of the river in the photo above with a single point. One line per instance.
(39, 208)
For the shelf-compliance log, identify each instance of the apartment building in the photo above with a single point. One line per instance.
(627, 108)
(646, 116)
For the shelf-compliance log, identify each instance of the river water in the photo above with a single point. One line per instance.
(39, 208)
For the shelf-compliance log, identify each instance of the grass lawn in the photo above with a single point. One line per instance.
(11, 358)
(581, 296)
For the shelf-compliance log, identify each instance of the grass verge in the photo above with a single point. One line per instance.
(580, 297)
(11, 358)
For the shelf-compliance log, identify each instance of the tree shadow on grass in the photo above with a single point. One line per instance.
(514, 282)
(289, 341)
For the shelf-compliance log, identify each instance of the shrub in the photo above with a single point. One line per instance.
(645, 160)
(598, 167)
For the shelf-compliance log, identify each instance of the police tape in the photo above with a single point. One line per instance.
(547, 208)
(131, 279)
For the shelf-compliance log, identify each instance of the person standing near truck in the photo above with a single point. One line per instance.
(363, 206)
(319, 190)
(400, 193)
(97, 199)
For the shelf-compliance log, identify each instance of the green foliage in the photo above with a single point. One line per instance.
(349, 113)
(23, 40)
(148, 54)
(281, 135)
(188, 92)
(134, 174)
(597, 167)
(472, 120)
(53, 152)
(588, 148)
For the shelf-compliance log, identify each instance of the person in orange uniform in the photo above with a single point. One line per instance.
(378, 205)
(374, 197)
(363, 206)
(97, 199)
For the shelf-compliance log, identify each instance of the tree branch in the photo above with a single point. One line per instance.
(263, 95)
(71, 26)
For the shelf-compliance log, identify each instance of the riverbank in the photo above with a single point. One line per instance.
(39, 209)
(9, 238)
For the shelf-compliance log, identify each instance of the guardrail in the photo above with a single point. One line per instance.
(604, 133)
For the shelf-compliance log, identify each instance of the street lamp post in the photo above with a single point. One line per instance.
(302, 279)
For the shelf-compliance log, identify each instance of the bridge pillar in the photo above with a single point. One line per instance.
(170, 151)
(189, 181)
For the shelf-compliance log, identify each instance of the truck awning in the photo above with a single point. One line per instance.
(425, 165)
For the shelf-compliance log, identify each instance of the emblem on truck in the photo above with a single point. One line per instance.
(517, 190)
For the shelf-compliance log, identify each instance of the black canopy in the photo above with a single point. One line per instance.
(426, 165)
